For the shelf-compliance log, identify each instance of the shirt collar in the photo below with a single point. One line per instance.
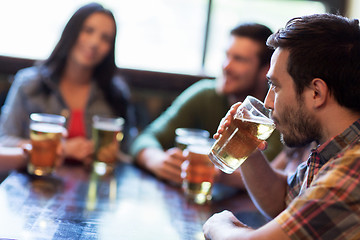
(335, 145)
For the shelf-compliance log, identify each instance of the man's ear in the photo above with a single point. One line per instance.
(320, 92)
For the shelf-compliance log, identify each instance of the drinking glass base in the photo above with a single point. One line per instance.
(200, 193)
(102, 168)
(39, 171)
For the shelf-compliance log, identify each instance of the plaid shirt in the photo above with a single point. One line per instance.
(323, 198)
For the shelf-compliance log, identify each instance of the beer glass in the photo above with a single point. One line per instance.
(197, 172)
(186, 136)
(250, 126)
(46, 132)
(107, 133)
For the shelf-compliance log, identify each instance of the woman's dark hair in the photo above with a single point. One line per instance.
(325, 46)
(259, 33)
(104, 72)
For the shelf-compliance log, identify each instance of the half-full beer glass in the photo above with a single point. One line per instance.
(251, 125)
(46, 131)
(197, 172)
(107, 134)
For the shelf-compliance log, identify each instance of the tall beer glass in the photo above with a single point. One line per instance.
(107, 134)
(46, 131)
(251, 125)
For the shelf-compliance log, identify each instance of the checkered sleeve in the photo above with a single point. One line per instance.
(330, 207)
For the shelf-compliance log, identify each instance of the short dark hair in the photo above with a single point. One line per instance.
(325, 46)
(258, 33)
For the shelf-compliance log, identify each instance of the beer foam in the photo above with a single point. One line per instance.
(260, 120)
(199, 149)
(46, 127)
(192, 139)
(107, 126)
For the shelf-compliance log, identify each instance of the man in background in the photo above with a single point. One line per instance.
(204, 104)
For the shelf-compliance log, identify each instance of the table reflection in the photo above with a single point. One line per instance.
(130, 204)
(101, 188)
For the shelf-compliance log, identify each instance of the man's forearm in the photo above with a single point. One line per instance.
(234, 180)
(143, 157)
(266, 186)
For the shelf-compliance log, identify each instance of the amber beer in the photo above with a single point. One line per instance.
(241, 138)
(198, 174)
(45, 137)
(107, 133)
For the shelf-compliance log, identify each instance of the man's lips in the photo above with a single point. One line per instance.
(276, 122)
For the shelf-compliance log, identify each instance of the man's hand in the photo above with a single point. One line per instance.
(225, 122)
(224, 225)
(165, 165)
(169, 167)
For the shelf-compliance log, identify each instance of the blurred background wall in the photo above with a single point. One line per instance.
(163, 46)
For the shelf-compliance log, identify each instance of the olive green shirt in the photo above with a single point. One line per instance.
(199, 106)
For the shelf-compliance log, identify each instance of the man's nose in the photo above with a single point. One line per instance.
(227, 64)
(269, 99)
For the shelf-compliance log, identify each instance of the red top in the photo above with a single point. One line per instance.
(76, 125)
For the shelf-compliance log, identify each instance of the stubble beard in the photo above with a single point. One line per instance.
(302, 128)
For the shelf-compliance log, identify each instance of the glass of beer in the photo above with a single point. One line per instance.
(187, 136)
(198, 172)
(46, 132)
(107, 133)
(251, 125)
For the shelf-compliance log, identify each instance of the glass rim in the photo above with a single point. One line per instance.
(48, 118)
(191, 131)
(252, 100)
(108, 118)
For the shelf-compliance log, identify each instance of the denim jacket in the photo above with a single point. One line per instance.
(33, 90)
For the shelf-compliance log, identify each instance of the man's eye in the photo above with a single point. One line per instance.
(271, 85)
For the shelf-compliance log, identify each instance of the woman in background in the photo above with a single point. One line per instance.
(77, 81)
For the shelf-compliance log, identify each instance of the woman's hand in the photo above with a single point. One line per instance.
(108, 153)
(79, 148)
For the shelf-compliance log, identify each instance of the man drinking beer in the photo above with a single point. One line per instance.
(314, 80)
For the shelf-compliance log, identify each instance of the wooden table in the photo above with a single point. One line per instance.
(130, 205)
